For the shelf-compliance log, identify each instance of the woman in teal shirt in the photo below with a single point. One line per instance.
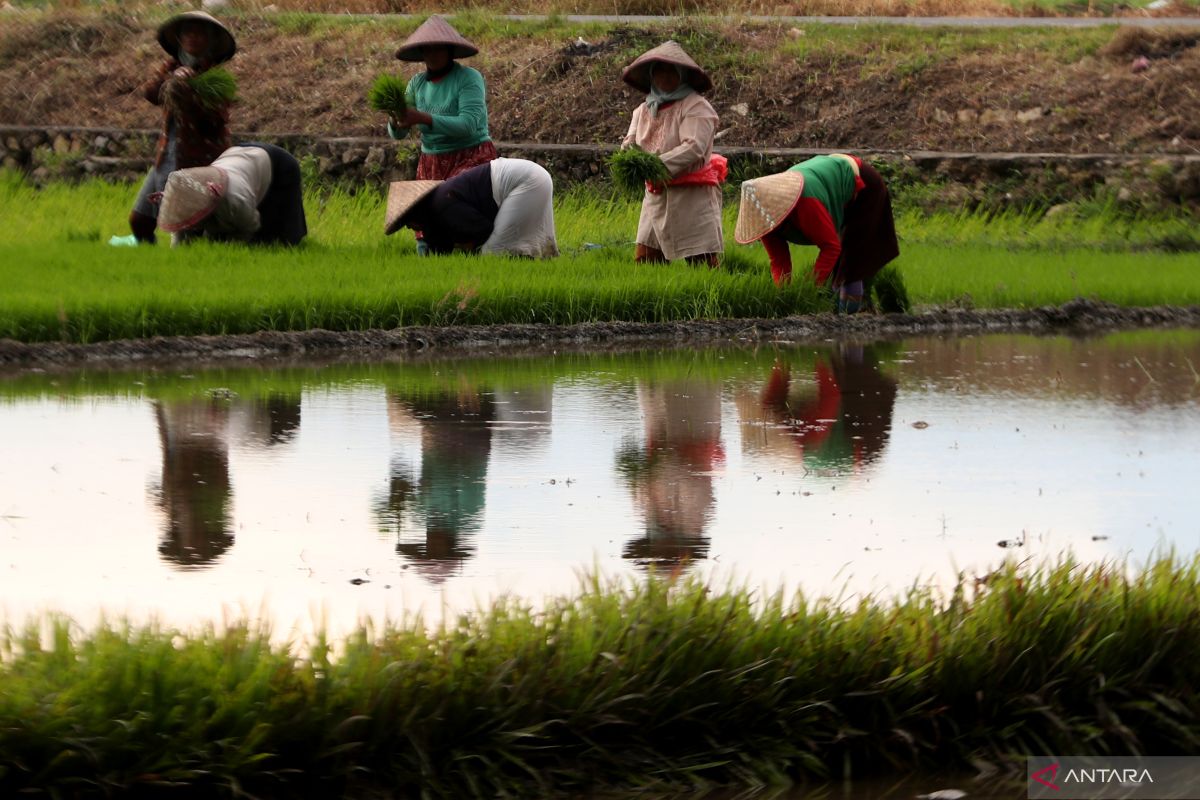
(447, 103)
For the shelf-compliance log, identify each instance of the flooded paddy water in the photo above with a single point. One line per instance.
(322, 495)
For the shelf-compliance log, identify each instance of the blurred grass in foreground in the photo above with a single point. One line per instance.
(638, 684)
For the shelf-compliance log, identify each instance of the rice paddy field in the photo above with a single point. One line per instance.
(63, 283)
(657, 683)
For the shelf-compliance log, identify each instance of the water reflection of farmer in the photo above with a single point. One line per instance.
(524, 416)
(449, 495)
(196, 492)
(841, 423)
(268, 420)
(671, 474)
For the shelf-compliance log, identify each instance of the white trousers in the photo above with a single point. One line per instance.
(524, 193)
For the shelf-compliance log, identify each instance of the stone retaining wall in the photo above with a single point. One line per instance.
(929, 179)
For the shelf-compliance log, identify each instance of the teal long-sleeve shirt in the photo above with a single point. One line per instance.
(458, 105)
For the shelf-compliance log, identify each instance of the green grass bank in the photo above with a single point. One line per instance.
(62, 283)
(654, 684)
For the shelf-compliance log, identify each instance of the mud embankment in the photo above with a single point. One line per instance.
(1076, 317)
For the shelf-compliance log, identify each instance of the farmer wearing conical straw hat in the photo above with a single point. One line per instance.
(446, 103)
(681, 219)
(503, 207)
(838, 203)
(251, 194)
(194, 132)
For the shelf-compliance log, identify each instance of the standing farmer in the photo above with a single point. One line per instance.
(838, 203)
(193, 132)
(683, 218)
(447, 103)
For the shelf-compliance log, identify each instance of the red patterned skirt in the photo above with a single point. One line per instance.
(441, 166)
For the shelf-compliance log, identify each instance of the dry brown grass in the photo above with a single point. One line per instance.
(901, 8)
(896, 8)
(825, 86)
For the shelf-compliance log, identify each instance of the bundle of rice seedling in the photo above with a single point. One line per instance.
(633, 167)
(214, 87)
(387, 94)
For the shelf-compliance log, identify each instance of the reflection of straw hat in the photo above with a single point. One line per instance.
(222, 46)
(766, 203)
(435, 32)
(637, 74)
(191, 196)
(402, 197)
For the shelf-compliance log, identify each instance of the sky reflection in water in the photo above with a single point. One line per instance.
(324, 494)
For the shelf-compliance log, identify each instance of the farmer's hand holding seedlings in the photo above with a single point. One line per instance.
(410, 117)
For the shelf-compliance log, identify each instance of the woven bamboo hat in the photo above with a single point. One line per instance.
(766, 203)
(191, 195)
(222, 47)
(637, 74)
(402, 197)
(433, 32)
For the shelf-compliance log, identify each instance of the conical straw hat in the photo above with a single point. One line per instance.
(223, 45)
(191, 195)
(766, 203)
(637, 74)
(433, 32)
(402, 196)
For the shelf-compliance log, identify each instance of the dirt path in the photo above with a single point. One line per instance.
(1079, 316)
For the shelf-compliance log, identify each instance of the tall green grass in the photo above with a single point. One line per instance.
(637, 684)
(62, 284)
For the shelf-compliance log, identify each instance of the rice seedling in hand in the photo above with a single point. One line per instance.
(387, 94)
(214, 87)
(632, 168)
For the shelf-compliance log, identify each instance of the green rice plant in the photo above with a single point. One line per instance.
(61, 284)
(891, 295)
(214, 87)
(387, 94)
(632, 168)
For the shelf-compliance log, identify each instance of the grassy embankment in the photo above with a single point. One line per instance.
(62, 283)
(815, 7)
(651, 684)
